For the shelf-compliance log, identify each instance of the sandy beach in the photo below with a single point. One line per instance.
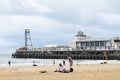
(81, 72)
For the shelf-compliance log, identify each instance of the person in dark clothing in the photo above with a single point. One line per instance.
(9, 63)
(63, 62)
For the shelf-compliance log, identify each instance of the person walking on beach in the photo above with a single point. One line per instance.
(53, 62)
(9, 63)
(63, 62)
(70, 63)
(70, 60)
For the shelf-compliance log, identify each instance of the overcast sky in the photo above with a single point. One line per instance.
(56, 21)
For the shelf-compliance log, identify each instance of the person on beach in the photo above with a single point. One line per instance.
(9, 63)
(63, 62)
(61, 69)
(70, 63)
(34, 63)
(70, 60)
(53, 62)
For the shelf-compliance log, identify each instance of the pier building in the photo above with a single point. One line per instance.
(83, 42)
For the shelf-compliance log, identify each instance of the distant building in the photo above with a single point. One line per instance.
(83, 42)
(56, 48)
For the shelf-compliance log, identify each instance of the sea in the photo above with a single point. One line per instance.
(4, 58)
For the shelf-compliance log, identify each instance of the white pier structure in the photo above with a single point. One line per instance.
(83, 42)
(82, 47)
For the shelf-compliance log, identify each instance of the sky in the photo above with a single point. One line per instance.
(56, 21)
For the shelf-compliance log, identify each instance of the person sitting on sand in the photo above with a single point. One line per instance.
(61, 69)
(34, 63)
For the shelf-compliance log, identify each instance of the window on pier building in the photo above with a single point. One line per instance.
(102, 43)
(87, 44)
(97, 43)
(92, 43)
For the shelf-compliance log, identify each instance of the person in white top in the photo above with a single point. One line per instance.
(70, 61)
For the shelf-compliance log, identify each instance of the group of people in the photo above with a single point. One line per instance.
(62, 69)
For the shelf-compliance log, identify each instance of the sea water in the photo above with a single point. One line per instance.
(4, 58)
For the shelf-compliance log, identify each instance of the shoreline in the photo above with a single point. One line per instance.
(29, 62)
(81, 72)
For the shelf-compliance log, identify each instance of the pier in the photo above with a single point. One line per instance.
(82, 47)
(90, 55)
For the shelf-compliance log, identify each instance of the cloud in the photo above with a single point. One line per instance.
(57, 21)
(23, 7)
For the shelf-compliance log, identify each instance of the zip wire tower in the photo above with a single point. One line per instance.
(28, 42)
